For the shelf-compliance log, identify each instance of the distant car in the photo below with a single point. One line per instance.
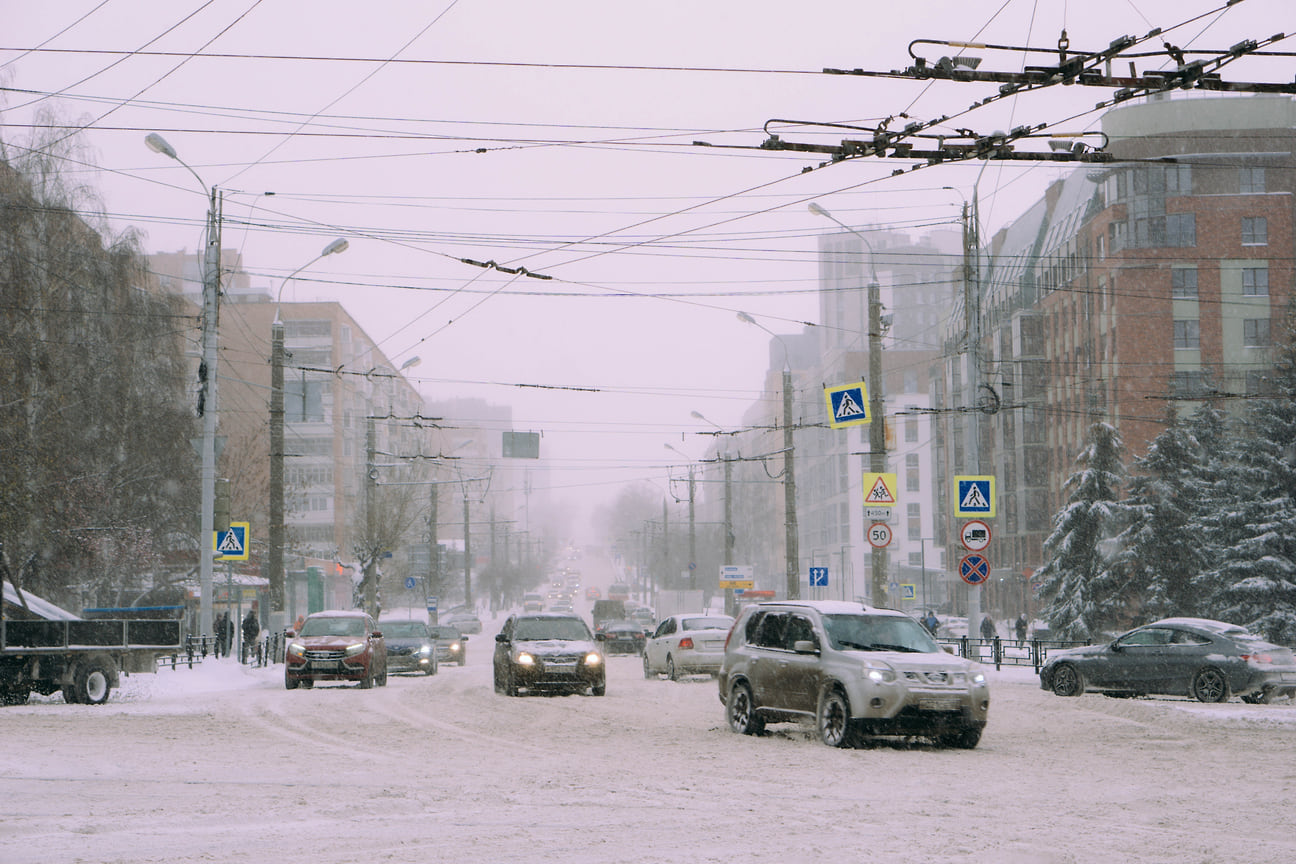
(1208, 660)
(687, 645)
(336, 646)
(451, 645)
(533, 602)
(544, 652)
(622, 637)
(467, 622)
(643, 616)
(618, 591)
(561, 606)
(851, 669)
(593, 593)
(410, 647)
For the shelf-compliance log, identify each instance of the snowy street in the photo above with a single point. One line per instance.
(222, 764)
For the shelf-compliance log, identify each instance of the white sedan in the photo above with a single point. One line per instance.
(686, 645)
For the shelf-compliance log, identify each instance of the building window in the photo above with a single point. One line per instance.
(910, 429)
(1255, 282)
(912, 480)
(916, 559)
(1187, 334)
(1251, 181)
(1255, 231)
(1189, 385)
(303, 401)
(915, 521)
(1183, 283)
(1181, 230)
(1258, 383)
(1255, 332)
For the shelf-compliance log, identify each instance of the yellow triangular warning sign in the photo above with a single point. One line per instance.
(229, 544)
(880, 493)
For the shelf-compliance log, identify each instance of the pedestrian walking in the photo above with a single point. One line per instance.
(988, 631)
(251, 629)
(1021, 627)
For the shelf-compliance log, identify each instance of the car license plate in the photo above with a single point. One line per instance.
(561, 667)
(940, 703)
(324, 665)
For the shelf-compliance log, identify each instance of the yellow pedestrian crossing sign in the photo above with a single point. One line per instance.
(847, 405)
(879, 489)
(232, 545)
(974, 496)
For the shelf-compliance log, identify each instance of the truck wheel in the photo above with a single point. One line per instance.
(69, 694)
(93, 682)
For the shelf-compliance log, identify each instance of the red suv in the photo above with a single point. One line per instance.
(336, 646)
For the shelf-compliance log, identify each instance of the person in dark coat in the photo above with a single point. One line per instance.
(988, 630)
(251, 629)
(224, 634)
(1021, 627)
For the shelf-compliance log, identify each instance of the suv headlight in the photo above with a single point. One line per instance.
(593, 659)
(525, 659)
(879, 673)
(977, 678)
(354, 649)
(296, 649)
(424, 650)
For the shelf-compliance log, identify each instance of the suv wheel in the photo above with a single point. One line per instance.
(740, 710)
(834, 720)
(964, 739)
(648, 673)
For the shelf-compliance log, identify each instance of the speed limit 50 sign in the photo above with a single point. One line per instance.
(879, 535)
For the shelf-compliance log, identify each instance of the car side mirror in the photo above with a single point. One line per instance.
(804, 646)
(601, 636)
(289, 634)
(949, 649)
(500, 637)
(377, 634)
(1117, 647)
(465, 638)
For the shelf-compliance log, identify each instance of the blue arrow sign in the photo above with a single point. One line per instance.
(818, 577)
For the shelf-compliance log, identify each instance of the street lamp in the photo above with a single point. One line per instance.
(789, 477)
(276, 571)
(207, 382)
(877, 423)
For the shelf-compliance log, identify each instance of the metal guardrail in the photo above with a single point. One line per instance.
(1007, 652)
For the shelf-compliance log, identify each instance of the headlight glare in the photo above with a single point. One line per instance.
(296, 649)
(354, 649)
(879, 673)
(593, 659)
(978, 678)
(525, 659)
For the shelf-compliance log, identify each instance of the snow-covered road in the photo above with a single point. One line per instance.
(222, 764)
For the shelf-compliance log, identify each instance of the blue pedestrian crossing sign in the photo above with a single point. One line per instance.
(847, 405)
(974, 496)
(232, 543)
(818, 577)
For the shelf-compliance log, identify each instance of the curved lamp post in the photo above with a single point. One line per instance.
(276, 544)
(793, 575)
(207, 381)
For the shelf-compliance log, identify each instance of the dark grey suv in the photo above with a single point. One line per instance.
(854, 670)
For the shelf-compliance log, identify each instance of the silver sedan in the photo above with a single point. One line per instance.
(686, 645)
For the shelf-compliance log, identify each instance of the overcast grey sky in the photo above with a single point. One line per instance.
(560, 137)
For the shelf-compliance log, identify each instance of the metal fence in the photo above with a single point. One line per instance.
(1007, 652)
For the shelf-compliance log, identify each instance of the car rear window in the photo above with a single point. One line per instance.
(715, 623)
(404, 628)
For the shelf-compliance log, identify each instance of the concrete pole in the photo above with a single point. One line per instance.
(877, 434)
(692, 562)
(276, 569)
(468, 598)
(207, 401)
(972, 307)
(789, 490)
(371, 522)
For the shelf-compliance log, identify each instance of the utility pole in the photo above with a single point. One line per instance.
(692, 562)
(207, 407)
(371, 521)
(789, 489)
(665, 571)
(972, 310)
(728, 529)
(468, 600)
(434, 548)
(877, 431)
(276, 569)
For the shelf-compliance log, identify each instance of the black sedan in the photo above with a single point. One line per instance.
(1208, 660)
(545, 652)
(623, 637)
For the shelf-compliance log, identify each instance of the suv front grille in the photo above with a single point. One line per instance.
(938, 678)
(324, 656)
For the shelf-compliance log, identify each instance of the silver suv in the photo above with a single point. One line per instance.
(855, 670)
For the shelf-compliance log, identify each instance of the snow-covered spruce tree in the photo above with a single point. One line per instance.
(1256, 576)
(1160, 549)
(1081, 591)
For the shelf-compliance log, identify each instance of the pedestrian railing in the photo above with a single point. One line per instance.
(1007, 652)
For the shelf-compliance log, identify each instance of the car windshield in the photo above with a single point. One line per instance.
(720, 622)
(535, 629)
(404, 629)
(444, 632)
(878, 633)
(333, 627)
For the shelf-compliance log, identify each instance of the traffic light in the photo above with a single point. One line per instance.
(221, 509)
